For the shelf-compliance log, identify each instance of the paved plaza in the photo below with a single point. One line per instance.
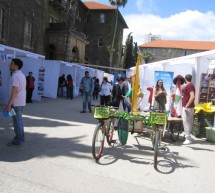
(56, 157)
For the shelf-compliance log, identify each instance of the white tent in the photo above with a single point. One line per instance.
(32, 62)
(194, 64)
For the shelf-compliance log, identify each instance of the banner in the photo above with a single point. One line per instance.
(167, 78)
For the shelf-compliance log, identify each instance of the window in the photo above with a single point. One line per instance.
(1, 23)
(52, 20)
(101, 18)
(88, 18)
(100, 42)
(27, 34)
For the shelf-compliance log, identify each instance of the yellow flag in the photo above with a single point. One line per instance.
(135, 85)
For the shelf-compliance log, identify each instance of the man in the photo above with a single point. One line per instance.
(117, 92)
(125, 88)
(87, 87)
(29, 87)
(61, 84)
(188, 108)
(17, 100)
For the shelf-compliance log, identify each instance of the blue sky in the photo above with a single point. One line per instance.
(172, 19)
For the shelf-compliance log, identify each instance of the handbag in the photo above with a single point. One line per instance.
(80, 89)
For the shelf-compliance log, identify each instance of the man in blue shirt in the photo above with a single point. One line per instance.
(87, 87)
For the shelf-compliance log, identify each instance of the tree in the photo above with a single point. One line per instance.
(117, 3)
(128, 52)
(147, 56)
(71, 9)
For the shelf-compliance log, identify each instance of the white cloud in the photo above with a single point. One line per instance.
(188, 25)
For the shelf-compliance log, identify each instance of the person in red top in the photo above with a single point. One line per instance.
(188, 108)
(29, 87)
(150, 89)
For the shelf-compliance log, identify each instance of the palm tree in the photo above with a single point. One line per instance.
(117, 3)
(71, 9)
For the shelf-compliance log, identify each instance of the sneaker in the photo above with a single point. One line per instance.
(187, 142)
(83, 111)
(12, 144)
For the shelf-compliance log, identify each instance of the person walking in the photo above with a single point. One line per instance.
(159, 93)
(188, 108)
(29, 87)
(105, 92)
(17, 100)
(86, 87)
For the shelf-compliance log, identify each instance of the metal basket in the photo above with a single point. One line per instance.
(101, 112)
(158, 118)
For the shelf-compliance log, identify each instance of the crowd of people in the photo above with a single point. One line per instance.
(21, 89)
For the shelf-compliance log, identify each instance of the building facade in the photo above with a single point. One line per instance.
(166, 49)
(52, 28)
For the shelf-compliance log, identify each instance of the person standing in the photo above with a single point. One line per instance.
(105, 92)
(69, 87)
(17, 100)
(96, 89)
(188, 108)
(61, 84)
(117, 92)
(87, 87)
(125, 88)
(159, 93)
(29, 87)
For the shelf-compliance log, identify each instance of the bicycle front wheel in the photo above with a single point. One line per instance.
(156, 142)
(98, 141)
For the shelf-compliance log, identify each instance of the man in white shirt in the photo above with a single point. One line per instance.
(17, 100)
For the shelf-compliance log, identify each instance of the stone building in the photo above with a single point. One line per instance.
(165, 49)
(42, 26)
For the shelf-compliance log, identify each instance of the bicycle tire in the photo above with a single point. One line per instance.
(98, 141)
(157, 136)
(110, 133)
(175, 130)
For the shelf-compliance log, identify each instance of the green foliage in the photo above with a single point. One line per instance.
(128, 58)
(147, 56)
(118, 3)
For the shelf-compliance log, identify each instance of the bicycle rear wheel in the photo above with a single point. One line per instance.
(98, 141)
(156, 142)
(110, 133)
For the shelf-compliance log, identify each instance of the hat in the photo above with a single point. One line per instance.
(179, 77)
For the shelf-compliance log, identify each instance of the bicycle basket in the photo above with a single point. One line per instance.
(158, 118)
(101, 112)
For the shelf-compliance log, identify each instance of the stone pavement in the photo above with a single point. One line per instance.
(56, 157)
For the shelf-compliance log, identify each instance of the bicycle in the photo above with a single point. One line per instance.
(156, 122)
(104, 128)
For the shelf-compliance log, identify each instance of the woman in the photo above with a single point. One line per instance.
(105, 92)
(69, 87)
(159, 93)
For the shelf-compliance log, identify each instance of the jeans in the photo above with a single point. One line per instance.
(18, 125)
(127, 105)
(86, 98)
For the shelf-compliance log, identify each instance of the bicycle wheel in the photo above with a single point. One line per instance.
(98, 141)
(175, 130)
(156, 142)
(110, 133)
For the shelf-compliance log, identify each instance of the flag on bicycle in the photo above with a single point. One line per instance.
(135, 85)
